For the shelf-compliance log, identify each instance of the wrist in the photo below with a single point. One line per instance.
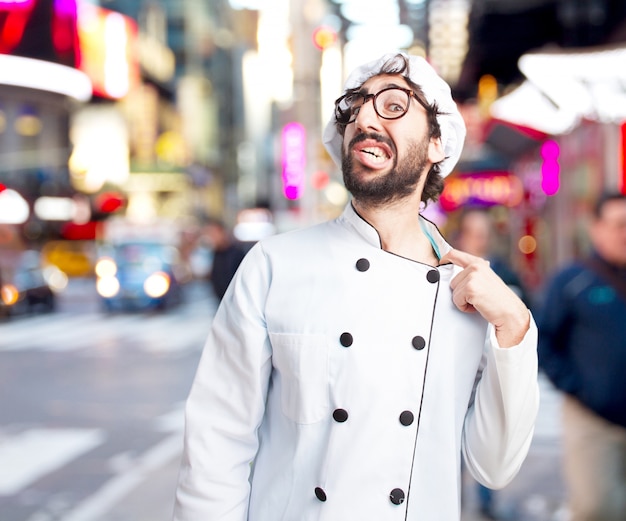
(512, 330)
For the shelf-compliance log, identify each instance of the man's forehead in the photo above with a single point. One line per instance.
(384, 80)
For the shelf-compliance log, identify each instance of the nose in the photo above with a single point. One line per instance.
(367, 118)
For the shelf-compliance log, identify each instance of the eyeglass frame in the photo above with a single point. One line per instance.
(366, 97)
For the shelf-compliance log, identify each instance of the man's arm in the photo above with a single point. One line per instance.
(227, 402)
(500, 424)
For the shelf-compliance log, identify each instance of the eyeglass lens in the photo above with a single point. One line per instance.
(389, 103)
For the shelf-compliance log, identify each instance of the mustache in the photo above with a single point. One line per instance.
(374, 136)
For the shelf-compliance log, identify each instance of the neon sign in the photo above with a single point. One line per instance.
(550, 168)
(34, 29)
(482, 189)
(293, 156)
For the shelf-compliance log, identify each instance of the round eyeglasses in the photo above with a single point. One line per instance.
(389, 103)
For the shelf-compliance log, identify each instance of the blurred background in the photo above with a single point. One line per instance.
(127, 127)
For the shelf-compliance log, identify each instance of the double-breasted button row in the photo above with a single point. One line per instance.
(396, 496)
(346, 340)
(406, 417)
(363, 265)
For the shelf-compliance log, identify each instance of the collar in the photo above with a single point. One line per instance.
(352, 219)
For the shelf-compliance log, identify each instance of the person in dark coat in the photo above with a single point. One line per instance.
(227, 255)
(582, 350)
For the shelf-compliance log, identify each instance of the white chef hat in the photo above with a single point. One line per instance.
(434, 88)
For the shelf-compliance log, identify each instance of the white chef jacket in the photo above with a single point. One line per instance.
(337, 384)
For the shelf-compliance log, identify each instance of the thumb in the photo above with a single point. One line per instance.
(458, 257)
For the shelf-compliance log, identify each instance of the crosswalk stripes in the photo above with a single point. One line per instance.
(67, 331)
(29, 455)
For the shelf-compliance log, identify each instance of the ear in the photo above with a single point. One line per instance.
(435, 150)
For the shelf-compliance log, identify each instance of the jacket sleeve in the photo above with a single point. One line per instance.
(554, 320)
(500, 423)
(227, 401)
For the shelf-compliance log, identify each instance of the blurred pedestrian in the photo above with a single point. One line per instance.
(475, 235)
(227, 255)
(343, 357)
(582, 349)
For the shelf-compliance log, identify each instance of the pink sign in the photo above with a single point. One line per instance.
(293, 158)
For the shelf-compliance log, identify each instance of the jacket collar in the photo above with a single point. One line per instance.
(352, 219)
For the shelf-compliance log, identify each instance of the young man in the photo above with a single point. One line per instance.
(582, 349)
(337, 377)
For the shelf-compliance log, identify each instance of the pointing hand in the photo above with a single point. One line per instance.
(478, 289)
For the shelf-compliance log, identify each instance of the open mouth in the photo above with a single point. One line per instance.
(377, 154)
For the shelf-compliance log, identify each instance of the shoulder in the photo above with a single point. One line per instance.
(308, 236)
(570, 280)
(568, 272)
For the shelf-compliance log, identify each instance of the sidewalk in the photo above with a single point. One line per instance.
(537, 493)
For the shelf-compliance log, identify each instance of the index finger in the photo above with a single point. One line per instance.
(458, 257)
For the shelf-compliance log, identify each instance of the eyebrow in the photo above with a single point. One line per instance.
(362, 91)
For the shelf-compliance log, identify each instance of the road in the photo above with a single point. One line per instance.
(91, 416)
(92, 408)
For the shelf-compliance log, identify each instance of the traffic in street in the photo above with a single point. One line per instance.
(92, 406)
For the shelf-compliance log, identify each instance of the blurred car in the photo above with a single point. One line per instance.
(139, 276)
(27, 286)
(74, 258)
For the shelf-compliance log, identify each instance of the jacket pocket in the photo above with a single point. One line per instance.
(302, 363)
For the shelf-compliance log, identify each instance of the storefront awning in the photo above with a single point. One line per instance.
(563, 88)
(45, 76)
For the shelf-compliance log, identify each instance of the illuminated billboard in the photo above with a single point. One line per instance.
(481, 189)
(40, 29)
(99, 42)
(293, 156)
(108, 43)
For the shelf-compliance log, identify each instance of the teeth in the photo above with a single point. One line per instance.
(376, 152)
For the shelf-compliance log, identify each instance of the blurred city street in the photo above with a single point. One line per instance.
(146, 145)
(92, 416)
(92, 407)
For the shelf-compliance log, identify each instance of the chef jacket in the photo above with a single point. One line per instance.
(338, 384)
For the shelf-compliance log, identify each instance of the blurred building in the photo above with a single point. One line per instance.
(40, 88)
(183, 109)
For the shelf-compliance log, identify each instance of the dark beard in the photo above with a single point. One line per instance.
(398, 183)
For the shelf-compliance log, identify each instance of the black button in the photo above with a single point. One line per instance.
(432, 276)
(397, 496)
(340, 415)
(320, 494)
(362, 265)
(418, 342)
(406, 418)
(346, 339)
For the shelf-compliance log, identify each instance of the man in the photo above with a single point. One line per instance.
(227, 255)
(336, 380)
(582, 349)
(476, 236)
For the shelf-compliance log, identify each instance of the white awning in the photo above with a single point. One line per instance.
(44, 75)
(564, 87)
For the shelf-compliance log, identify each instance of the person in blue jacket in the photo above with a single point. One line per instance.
(582, 350)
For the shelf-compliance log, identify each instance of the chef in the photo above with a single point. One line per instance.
(352, 365)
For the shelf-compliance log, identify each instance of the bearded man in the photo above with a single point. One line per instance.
(338, 379)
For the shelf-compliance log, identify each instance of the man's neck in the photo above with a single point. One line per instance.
(399, 229)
